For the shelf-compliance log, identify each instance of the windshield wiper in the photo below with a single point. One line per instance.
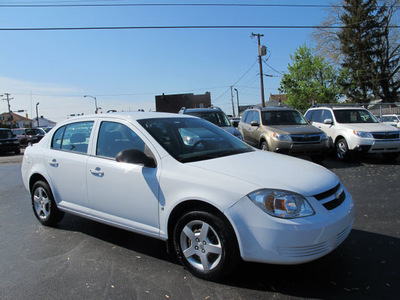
(213, 155)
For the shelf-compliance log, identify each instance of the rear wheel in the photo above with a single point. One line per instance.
(206, 245)
(44, 206)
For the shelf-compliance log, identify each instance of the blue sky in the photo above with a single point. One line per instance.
(125, 69)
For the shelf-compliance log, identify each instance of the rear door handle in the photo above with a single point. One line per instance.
(53, 163)
(97, 172)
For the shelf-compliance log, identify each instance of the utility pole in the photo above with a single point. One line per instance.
(261, 52)
(237, 98)
(8, 99)
(233, 106)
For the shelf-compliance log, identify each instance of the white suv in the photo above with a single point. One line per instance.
(355, 129)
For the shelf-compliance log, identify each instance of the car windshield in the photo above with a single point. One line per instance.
(282, 117)
(389, 119)
(216, 117)
(354, 116)
(6, 134)
(190, 139)
(33, 131)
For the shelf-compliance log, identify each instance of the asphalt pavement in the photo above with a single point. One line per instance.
(82, 259)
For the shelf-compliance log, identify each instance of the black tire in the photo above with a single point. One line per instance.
(23, 142)
(317, 158)
(206, 245)
(264, 146)
(44, 206)
(342, 150)
(391, 156)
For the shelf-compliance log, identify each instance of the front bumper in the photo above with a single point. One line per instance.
(289, 147)
(9, 147)
(266, 239)
(375, 146)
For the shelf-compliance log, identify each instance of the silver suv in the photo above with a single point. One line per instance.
(282, 130)
(355, 130)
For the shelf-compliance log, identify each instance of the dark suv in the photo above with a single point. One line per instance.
(283, 130)
(214, 115)
(8, 141)
(28, 135)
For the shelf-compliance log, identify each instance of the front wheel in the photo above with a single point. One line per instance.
(206, 245)
(391, 156)
(342, 150)
(264, 146)
(44, 206)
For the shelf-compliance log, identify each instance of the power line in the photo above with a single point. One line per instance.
(181, 27)
(235, 82)
(171, 5)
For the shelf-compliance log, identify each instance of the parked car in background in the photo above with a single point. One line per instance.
(234, 121)
(283, 130)
(393, 120)
(46, 129)
(8, 141)
(28, 135)
(214, 115)
(214, 202)
(353, 130)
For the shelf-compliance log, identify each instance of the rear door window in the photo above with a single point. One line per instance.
(73, 137)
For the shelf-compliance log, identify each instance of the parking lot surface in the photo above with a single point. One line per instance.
(82, 259)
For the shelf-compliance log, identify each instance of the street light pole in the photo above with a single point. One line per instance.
(37, 114)
(95, 102)
(237, 99)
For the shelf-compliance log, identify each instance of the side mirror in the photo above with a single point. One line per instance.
(328, 121)
(134, 156)
(254, 123)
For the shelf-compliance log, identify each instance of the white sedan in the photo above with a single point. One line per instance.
(215, 201)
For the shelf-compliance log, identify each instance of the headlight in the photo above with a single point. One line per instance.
(363, 134)
(282, 204)
(324, 136)
(282, 137)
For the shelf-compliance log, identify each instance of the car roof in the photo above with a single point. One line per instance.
(129, 116)
(338, 107)
(272, 108)
(202, 110)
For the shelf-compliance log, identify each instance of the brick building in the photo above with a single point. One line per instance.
(173, 103)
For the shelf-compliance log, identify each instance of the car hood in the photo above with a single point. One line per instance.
(294, 129)
(369, 127)
(231, 130)
(273, 170)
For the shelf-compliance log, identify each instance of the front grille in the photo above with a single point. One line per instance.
(385, 135)
(332, 198)
(305, 251)
(305, 138)
(343, 235)
(327, 193)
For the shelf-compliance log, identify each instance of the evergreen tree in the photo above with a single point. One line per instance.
(367, 47)
(387, 60)
(359, 40)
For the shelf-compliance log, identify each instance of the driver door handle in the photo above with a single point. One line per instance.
(53, 163)
(97, 172)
